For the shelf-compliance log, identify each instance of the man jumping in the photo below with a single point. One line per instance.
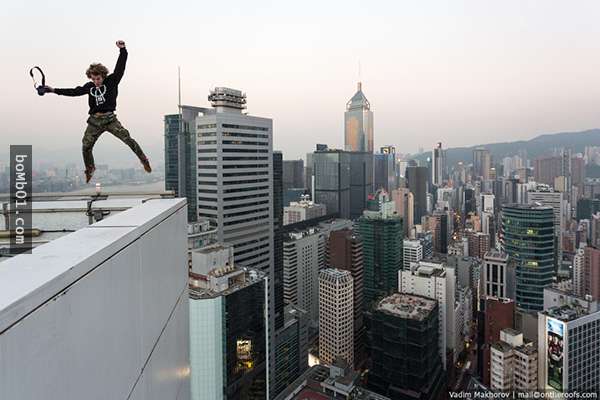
(102, 91)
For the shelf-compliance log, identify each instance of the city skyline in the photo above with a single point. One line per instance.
(525, 73)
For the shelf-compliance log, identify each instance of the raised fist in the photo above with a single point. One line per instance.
(120, 44)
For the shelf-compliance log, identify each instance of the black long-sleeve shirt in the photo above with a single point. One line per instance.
(104, 97)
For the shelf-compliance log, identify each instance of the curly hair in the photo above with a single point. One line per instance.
(96, 69)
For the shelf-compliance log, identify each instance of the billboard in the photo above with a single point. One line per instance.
(555, 353)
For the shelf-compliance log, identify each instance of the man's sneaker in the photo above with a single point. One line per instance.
(146, 165)
(89, 172)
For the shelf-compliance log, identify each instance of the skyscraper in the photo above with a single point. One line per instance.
(180, 155)
(336, 316)
(528, 237)
(384, 171)
(498, 275)
(417, 183)
(482, 163)
(403, 339)
(382, 236)
(342, 180)
(358, 123)
(568, 349)
(228, 327)
(293, 174)
(345, 252)
(235, 177)
(278, 236)
(591, 273)
(235, 183)
(438, 165)
(303, 258)
(331, 186)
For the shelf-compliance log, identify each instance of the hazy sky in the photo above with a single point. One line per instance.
(460, 72)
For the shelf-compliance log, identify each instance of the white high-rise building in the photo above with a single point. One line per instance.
(436, 281)
(336, 316)
(568, 348)
(234, 177)
(578, 271)
(547, 196)
(303, 258)
(514, 363)
(412, 252)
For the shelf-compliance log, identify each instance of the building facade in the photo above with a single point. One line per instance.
(228, 327)
(336, 316)
(403, 336)
(528, 238)
(358, 123)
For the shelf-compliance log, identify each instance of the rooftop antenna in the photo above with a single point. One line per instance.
(359, 82)
(179, 88)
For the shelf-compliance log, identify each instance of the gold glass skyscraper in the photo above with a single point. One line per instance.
(358, 123)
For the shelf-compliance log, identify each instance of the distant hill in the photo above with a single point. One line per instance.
(540, 145)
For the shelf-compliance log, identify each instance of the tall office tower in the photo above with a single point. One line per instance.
(336, 316)
(382, 235)
(435, 281)
(528, 237)
(291, 349)
(303, 258)
(482, 162)
(342, 180)
(417, 184)
(441, 232)
(578, 174)
(228, 327)
(331, 185)
(568, 349)
(180, 155)
(591, 273)
(498, 275)
(547, 196)
(509, 191)
(578, 271)
(358, 123)
(235, 177)
(514, 364)
(595, 230)
(547, 168)
(293, 174)
(302, 210)
(278, 237)
(403, 336)
(412, 252)
(470, 201)
(497, 314)
(345, 252)
(235, 182)
(479, 243)
(405, 207)
(586, 208)
(438, 165)
(361, 182)
(384, 171)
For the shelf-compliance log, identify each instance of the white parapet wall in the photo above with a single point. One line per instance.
(101, 313)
